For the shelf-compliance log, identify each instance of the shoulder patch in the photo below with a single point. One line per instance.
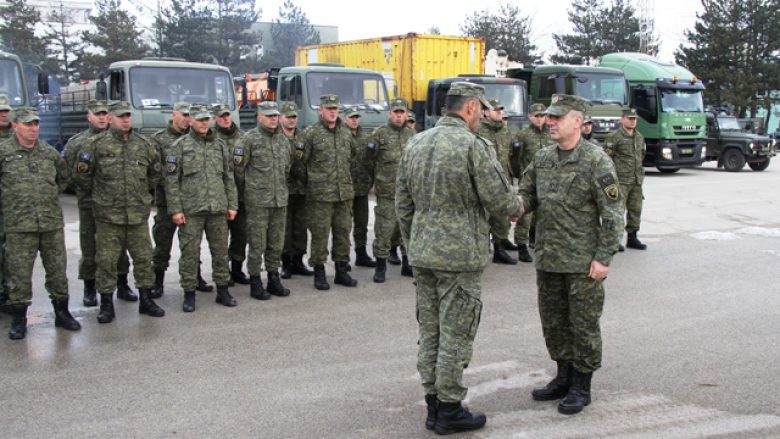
(516, 144)
(609, 186)
(171, 159)
(299, 145)
(85, 156)
(370, 145)
(238, 151)
(172, 164)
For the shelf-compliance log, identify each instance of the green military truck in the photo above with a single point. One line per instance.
(668, 99)
(151, 85)
(732, 147)
(14, 82)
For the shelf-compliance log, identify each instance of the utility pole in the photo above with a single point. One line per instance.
(646, 10)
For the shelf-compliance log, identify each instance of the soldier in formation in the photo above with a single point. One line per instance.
(573, 188)
(6, 132)
(362, 180)
(587, 129)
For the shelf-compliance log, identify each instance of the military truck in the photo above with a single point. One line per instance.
(14, 82)
(151, 85)
(668, 100)
(732, 147)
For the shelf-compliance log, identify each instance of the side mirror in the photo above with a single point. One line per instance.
(101, 91)
(43, 83)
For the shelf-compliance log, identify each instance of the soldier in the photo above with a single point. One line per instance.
(493, 129)
(362, 180)
(587, 129)
(229, 132)
(530, 140)
(6, 132)
(32, 174)
(201, 195)
(296, 237)
(411, 121)
(384, 153)
(327, 152)
(262, 160)
(164, 228)
(120, 168)
(97, 116)
(449, 184)
(573, 188)
(627, 148)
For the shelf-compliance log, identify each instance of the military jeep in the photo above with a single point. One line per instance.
(732, 147)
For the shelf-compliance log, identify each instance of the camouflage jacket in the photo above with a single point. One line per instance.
(627, 152)
(120, 173)
(199, 175)
(262, 161)
(6, 133)
(296, 181)
(362, 178)
(502, 141)
(71, 152)
(528, 142)
(230, 136)
(30, 184)
(327, 155)
(579, 216)
(162, 140)
(384, 154)
(449, 183)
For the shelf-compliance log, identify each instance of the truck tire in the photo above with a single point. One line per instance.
(667, 170)
(759, 166)
(732, 160)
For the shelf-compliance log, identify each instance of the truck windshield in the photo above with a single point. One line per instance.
(512, 96)
(601, 88)
(681, 101)
(728, 123)
(11, 82)
(353, 89)
(159, 87)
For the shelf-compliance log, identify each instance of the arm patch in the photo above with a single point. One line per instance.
(172, 164)
(609, 186)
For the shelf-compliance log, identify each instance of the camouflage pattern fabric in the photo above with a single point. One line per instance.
(325, 216)
(237, 227)
(296, 182)
(190, 236)
(163, 228)
(385, 226)
(88, 261)
(327, 155)
(632, 204)
(360, 220)
(296, 234)
(528, 142)
(628, 152)
(6, 132)
(111, 240)
(266, 226)
(362, 178)
(501, 138)
(71, 152)
(21, 250)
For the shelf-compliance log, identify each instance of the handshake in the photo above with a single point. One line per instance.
(515, 218)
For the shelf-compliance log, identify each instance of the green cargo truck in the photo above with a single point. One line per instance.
(14, 81)
(668, 100)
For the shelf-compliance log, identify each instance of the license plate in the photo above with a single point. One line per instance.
(686, 151)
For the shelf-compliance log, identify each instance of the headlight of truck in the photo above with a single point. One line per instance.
(667, 153)
(703, 152)
(752, 145)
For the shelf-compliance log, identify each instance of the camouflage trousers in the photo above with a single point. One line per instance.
(111, 240)
(632, 204)
(21, 250)
(324, 217)
(360, 220)
(3, 268)
(238, 239)
(499, 228)
(386, 230)
(448, 314)
(296, 237)
(162, 231)
(190, 236)
(87, 264)
(570, 306)
(523, 228)
(266, 226)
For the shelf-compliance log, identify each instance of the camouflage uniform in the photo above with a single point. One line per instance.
(6, 133)
(529, 141)
(237, 248)
(628, 152)
(296, 237)
(500, 137)
(449, 183)
(362, 180)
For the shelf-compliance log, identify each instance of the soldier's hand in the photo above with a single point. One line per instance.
(598, 271)
(178, 218)
(231, 215)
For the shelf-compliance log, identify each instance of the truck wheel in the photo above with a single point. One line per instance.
(733, 160)
(759, 166)
(668, 170)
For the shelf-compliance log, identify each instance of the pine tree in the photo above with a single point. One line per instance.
(508, 30)
(64, 42)
(17, 31)
(233, 19)
(290, 30)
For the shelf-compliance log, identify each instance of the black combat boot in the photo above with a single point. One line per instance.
(320, 281)
(634, 242)
(4, 305)
(224, 297)
(90, 294)
(189, 301)
(433, 408)
(203, 286)
(62, 317)
(509, 245)
(147, 305)
(381, 269)
(236, 274)
(159, 277)
(362, 259)
(123, 290)
(275, 285)
(286, 266)
(500, 255)
(106, 314)
(393, 258)
(406, 270)
(298, 267)
(453, 417)
(522, 253)
(532, 237)
(621, 248)
(342, 275)
(18, 322)
(558, 387)
(256, 289)
(578, 396)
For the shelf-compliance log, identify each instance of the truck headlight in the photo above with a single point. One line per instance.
(667, 153)
(752, 145)
(703, 152)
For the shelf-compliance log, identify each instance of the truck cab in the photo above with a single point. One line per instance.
(732, 147)
(14, 83)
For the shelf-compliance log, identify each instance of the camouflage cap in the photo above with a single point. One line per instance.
(398, 104)
(561, 104)
(25, 114)
(352, 112)
(537, 110)
(630, 113)
(4, 106)
(95, 106)
(182, 107)
(329, 101)
(496, 104)
(199, 112)
(220, 109)
(587, 119)
(469, 89)
(119, 108)
(288, 109)
(268, 108)
(411, 117)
